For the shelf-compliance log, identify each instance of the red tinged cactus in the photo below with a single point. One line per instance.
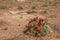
(36, 25)
(30, 25)
(38, 29)
(26, 29)
(35, 18)
(41, 19)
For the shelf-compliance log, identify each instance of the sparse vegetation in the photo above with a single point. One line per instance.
(20, 7)
(5, 28)
(3, 7)
(43, 12)
(33, 7)
(21, 17)
(53, 16)
(54, 4)
(18, 24)
(44, 5)
(31, 11)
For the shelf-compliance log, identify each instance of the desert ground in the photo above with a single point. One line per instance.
(15, 14)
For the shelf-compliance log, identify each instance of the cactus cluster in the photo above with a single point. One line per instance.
(37, 27)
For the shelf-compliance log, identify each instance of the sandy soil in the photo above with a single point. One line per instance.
(13, 21)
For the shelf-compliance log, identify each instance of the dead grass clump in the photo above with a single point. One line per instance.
(5, 28)
(31, 11)
(3, 7)
(45, 5)
(20, 7)
(43, 12)
(33, 7)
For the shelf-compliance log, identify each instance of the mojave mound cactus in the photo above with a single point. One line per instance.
(37, 26)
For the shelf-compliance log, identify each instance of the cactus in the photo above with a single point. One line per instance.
(38, 27)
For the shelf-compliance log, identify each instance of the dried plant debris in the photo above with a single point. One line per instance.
(30, 12)
(5, 28)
